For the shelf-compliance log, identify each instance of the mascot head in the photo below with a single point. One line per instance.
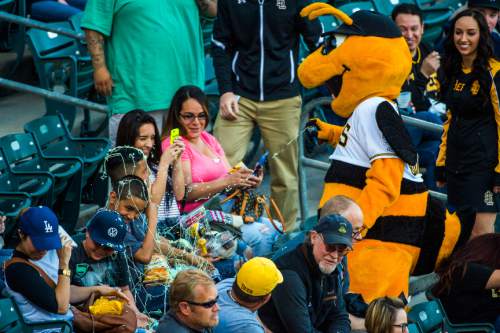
(366, 56)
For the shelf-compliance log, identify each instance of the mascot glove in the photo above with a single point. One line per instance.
(325, 131)
(440, 173)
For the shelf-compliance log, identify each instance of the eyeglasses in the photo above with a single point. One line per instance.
(190, 117)
(342, 250)
(206, 305)
(357, 234)
(404, 327)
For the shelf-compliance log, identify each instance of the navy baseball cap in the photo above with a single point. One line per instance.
(369, 23)
(107, 228)
(335, 230)
(41, 224)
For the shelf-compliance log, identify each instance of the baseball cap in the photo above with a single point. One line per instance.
(335, 229)
(368, 23)
(41, 224)
(107, 228)
(494, 4)
(258, 277)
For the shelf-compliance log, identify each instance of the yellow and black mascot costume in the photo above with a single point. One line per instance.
(364, 63)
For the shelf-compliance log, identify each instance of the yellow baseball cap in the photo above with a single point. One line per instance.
(258, 277)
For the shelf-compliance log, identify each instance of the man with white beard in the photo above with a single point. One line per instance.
(310, 297)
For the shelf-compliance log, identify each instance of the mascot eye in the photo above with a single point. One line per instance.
(331, 42)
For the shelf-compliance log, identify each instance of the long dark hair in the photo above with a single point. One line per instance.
(452, 62)
(181, 95)
(128, 131)
(484, 250)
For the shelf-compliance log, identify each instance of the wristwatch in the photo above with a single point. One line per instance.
(64, 271)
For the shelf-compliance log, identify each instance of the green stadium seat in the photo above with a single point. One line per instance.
(61, 66)
(37, 185)
(431, 317)
(21, 154)
(11, 203)
(413, 328)
(11, 321)
(328, 22)
(352, 7)
(54, 139)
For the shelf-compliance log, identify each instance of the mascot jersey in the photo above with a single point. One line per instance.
(362, 142)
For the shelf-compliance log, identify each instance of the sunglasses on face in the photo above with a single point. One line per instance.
(404, 327)
(342, 250)
(190, 117)
(206, 305)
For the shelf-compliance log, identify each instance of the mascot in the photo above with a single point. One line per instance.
(364, 63)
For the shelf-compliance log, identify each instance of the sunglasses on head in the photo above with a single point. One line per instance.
(206, 305)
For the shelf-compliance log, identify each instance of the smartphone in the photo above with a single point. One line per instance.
(64, 234)
(260, 163)
(174, 134)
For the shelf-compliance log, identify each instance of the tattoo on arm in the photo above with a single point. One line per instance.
(95, 45)
(207, 7)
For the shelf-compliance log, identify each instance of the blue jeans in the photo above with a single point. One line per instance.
(53, 11)
(260, 235)
(427, 144)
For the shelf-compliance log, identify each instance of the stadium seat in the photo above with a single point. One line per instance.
(431, 317)
(16, 184)
(61, 67)
(22, 154)
(352, 7)
(328, 22)
(11, 203)
(54, 139)
(11, 321)
(413, 328)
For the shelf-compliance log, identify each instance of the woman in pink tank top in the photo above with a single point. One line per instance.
(205, 167)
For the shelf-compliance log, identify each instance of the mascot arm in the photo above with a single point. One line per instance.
(383, 185)
(440, 174)
(328, 132)
(494, 94)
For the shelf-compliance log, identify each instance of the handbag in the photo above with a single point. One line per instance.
(84, 321)
(250, 205)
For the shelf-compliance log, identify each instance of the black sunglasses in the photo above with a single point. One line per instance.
(206, 305)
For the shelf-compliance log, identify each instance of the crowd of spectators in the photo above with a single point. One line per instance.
(148, 60)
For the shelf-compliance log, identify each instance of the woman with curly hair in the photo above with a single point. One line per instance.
(469, 284)
(386, 315)
(468, 160)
